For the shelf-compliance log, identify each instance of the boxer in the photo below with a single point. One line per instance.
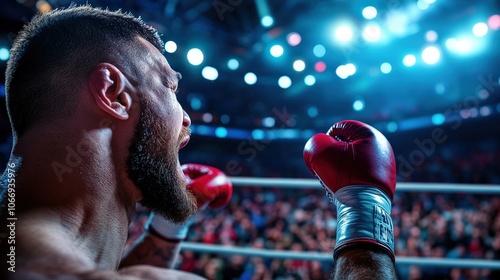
(355, 164)
(97, 128)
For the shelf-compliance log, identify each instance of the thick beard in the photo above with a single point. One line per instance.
(153, 168)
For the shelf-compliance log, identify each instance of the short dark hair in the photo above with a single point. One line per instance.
(53, 54)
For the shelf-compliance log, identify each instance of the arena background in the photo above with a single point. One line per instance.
(260, 77)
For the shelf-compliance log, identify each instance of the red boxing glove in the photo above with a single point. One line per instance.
(355, 164)
(208, 184)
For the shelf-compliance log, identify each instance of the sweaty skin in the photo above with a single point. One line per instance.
(73, 224)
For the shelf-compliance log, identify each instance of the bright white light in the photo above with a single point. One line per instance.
(431, 36)
(358, 105)
(422, 5)
(386, 68)
(284, 82)
(350, 69)
(276, 50)
(409, 60)
(250, 78)
(369, 12)
(195, 56)
(430, 1)
(170, 46)
(431, 55)
(451, 44)
(397, 23)
(210, 73)
(319, 50)
(299, 65)
(233, 64)
(309, 80)
(342, 72)
(372, 32)
(4, 54)
(480, 29)
(267, 21)
(344, 34)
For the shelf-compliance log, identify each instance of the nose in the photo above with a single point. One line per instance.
(186, 121)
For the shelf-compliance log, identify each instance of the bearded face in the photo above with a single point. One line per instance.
(153, 166)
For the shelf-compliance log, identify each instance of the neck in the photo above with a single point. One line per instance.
(74, 188)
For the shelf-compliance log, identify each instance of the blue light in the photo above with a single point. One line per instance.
(4, 54)
(276, 51)
(225, 119)
(195, 103)
(210, 73)
(309, 80)
(267, 21)
(438, 119)
(250, 78)
(312, 112)
(386, 68)
(369, 12)
(358, 105)
(392, 127)
(258, 134)
(221, 132)
(319, 50)
(284, 82)
(233, 64)
(431, 55)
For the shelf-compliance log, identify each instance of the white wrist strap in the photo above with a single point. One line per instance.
(167, 229)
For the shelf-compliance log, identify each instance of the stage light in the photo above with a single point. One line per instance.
(431, 36)
(320, 66)
(221, 132)
(397, 23)
(233, 64)
(392, 127)
(207, 117)
(195, 56)
(494, 22)
(225, 119)
(409, 60)
(372, 32)
(342, 72)
(485, 111)
(267, 21)
(293, 39)
(431, 55)
(483, 94)
(210, 73)
(250, 78)
(309, 80)
(268, 122)
(299, 65)
(422, 5)
(284, 82)
(258, 134)
(319, 50)
(369, 12)
(4, 54)
(350, 69)
(344, 34)
(386, 68)
(438, 119)
(440, 88)
(358, 105)
(195, 103)
(170, 46)
(480, 29)
(276, 50)
(430, 1)
(461, 46)
(312, 112)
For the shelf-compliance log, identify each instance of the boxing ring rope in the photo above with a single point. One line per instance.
(318, 256)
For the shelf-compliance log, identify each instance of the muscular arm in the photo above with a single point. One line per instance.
(360, 264)
(151, 250)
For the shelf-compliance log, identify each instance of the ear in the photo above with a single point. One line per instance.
(107, 85)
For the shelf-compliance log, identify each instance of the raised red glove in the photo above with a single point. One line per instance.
(355, 164)
(208, 184)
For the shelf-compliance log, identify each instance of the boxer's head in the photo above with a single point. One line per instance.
(50, 63)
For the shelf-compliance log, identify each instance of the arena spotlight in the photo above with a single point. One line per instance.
(210, 73)
(276, 50)
(299, 65)
(250, 78)
(319, 50)
(233, 64)
(267, 21)
(358, 105)
(195, 56)
(372, 32)
(431, 55)
(369, 12)
(284, 82)
(170, 46)
(386, 68)
(344, 34)
(309, 80)
(293, 39)
(480, 29)
(4, 54)
(409, 60)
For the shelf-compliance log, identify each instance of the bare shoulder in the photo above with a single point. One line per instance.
(140, 272)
